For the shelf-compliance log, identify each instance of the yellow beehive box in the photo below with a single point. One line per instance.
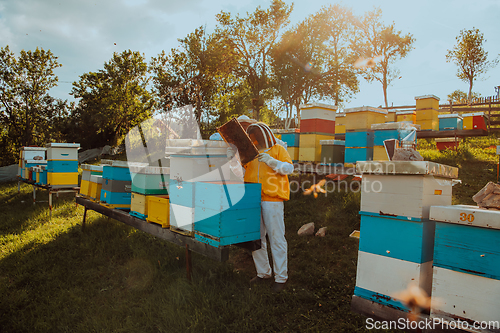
(427, 114)
(391, 116)
(431, 124)
(311, 140)
(427, 102)
(363, 117)
(139, 202)
(406, 116)
(339, 129)
(340, 119)
(62, 178)
(95, 186)
(85, 187)
(468, 123)
(158, 210)
(293, 152)
(310, 154)
(379, 153)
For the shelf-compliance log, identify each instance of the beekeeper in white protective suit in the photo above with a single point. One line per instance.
(271, 168)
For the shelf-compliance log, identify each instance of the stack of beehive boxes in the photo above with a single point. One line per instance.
(396, 236)
(476, 120)
(292, 140)
(193, 161)
(359, 136)
(62, 164)
(317, 123)
(427, 112)
(466, 280)
(30, 157)
(116, 185)
(149, 184)
(88, 171)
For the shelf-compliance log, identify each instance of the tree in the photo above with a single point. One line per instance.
(460, 97)
(313, 59)
(253, 39)
(380, 46)
(470, 57)
(28, 114)
(197, 74)
(113, 100)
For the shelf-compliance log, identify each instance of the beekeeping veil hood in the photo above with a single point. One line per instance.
(261, 130)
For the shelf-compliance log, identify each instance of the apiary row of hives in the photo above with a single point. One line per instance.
(54, 165)
(197, 195)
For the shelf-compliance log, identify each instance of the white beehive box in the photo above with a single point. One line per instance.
(62, 151)
(199, 168)
(29, 153)
(405, 188)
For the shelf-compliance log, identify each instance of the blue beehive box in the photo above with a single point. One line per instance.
(62, 166)
(181, 193)
(448, 122)
(116, 198)
(379, 136)
(361, 139)
(116, 172)
(291, 139)
(352, 155)
(227, 212)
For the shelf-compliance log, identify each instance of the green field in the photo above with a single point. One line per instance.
(54, 277)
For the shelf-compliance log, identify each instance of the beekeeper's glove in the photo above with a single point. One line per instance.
(266, 158)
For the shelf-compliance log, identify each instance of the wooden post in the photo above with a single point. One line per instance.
(84, 217)
(188, 263)
(489, 113)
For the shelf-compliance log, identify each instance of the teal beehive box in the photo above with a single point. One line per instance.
(227, 212)
(150, 180)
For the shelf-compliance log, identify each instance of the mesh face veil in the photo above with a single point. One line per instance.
(263, 133)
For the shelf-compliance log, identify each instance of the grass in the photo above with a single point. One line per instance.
(112, 278)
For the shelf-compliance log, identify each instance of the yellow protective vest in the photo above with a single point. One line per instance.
(275, 186)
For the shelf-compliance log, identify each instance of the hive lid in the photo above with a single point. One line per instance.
(317, 105)
(96, 179)
(466, 215)
(406, 168)
(37, 161)
(473, 114)
(396, 125)
(426, 97)
(62, 145)
(450, 115)
(150, 170)
(406, 112)
(364, 109)
(33, 148)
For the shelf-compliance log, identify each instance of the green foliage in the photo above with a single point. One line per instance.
(460, 97)
(112, 100)
(28, 114)
(376, 40)
(470, 57)
(312, 60)
(253, 38)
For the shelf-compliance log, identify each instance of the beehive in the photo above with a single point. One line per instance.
(227, 212)
(150, 180)
(360, 139)
(291, 139)
(474, 121)
(199, 167)
(362, 118)
(427, 102)
(310, 148)
(293, 152)
(317, 111)
(340, 123)
(332, 151)
(317, 126)
(62, 179)
(353, 154)
(95, 186)
(466, 256)
(431, 124)
(450, 122)
(447, 143)
(62, 151)
(159, 210)
(391, 116)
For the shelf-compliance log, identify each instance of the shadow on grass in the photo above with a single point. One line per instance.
(17, 211)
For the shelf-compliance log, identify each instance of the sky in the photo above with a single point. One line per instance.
(83, 34)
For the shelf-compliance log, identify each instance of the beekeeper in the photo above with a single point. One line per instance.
(271, 168)
(246, 121)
